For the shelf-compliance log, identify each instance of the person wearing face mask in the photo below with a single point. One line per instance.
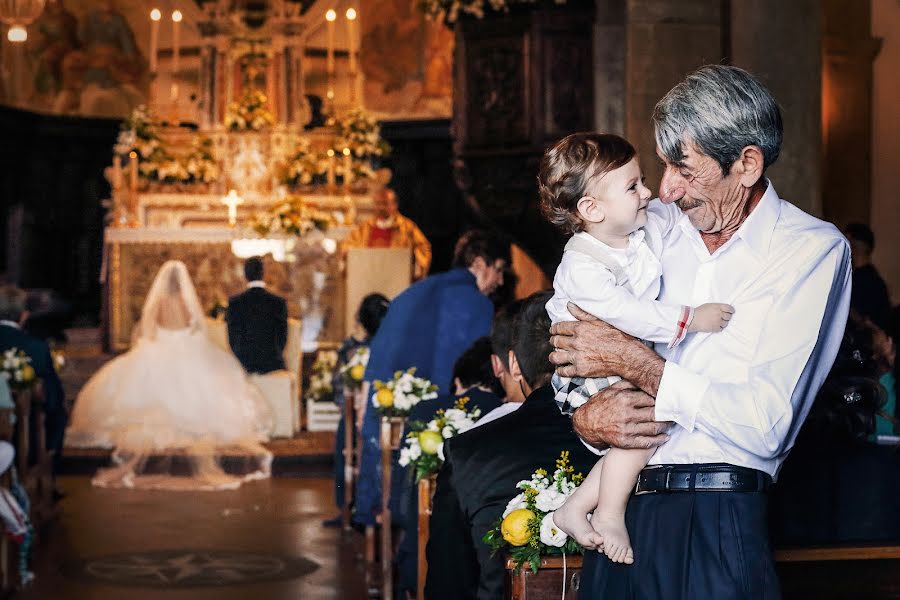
(428, 326)
(387, 228)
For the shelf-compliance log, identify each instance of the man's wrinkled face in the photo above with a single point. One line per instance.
(696, 185)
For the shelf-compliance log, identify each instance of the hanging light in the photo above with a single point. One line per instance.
(17, 14)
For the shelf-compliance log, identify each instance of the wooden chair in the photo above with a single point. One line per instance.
(33, 461)
(391, 431)
(426, 497)
(548, 583)
(351, 456)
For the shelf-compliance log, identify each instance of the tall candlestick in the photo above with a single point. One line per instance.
(351, 39)
(330, 16)
(155, 16)
(117, 173)
(331, 166)
(176, 52)
(348, 169)
(133, 170)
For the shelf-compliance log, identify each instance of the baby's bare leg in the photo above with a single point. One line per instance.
(571, 517)
(620, 471)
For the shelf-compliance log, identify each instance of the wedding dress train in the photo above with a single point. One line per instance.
(178, 410)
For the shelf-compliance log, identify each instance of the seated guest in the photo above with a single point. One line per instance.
(368, 318)
(483, 466)
(836, 487)
(257, 323)
(501, 348)
(474, 379)
(12, 315)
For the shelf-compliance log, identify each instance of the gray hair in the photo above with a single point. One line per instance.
(721, 109)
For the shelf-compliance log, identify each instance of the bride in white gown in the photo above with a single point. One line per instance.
(176, 408)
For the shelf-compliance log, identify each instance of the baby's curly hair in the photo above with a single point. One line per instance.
(569, 165)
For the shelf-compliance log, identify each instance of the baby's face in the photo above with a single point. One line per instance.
(624, 198)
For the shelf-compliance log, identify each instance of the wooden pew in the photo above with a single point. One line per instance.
(426, 497)
(391, 431)
(350, 458)
(548, 583)
(35, 474)
(824, 573)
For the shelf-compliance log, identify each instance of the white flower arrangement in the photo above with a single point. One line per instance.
(292, 217)
(320, 383)
(405, 390)
(249, 113)
(424, 444)
(526, 529)
(17, 370)
(303, 165)
(201, 164)
(354, 369)
(361, 133)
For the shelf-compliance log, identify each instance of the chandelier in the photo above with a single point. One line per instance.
(17, 14)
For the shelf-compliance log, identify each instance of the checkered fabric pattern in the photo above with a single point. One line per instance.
(572, 392)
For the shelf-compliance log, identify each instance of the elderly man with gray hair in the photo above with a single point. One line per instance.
(725, 409)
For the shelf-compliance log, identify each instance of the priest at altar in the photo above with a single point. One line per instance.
(387, 228)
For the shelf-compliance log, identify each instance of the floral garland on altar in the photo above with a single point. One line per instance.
(139, 134)
(361, 133)
(291, 217)
(449, 10)
(249, 113)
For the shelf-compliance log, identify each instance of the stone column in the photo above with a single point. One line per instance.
(666, 41)
(609, 66)
(780, 42)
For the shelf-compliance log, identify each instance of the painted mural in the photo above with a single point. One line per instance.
(81, 58)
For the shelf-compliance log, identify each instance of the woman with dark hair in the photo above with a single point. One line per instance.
(837, 486)
(368, 318)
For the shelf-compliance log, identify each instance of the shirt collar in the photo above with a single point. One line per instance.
(256, 284)
(756, 230)
(12, 324)
(759, 226)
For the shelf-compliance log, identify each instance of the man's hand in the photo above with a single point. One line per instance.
(620, 416)
(590, 347)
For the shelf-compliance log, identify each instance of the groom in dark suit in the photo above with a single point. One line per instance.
(12, 314)
(484, 465)
(257, 323)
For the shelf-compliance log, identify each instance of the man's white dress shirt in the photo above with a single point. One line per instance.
(504, 409)
(739, 396)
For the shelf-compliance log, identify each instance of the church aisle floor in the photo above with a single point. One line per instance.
(263, 541)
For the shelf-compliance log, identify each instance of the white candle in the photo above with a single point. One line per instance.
(176, 45)
(155, 16)
(330, 16)
(133, 169)
(331, 166)
(351, 39)
(348, 169)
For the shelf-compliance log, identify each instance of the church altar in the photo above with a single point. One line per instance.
(252, 178)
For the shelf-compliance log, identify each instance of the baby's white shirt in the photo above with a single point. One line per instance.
(591, 285)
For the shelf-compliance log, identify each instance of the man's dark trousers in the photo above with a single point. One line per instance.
(707, 545)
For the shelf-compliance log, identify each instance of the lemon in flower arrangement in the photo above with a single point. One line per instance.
(527, 531)
(395, 398)
(354, 369)
(16, 369)
(424, 445)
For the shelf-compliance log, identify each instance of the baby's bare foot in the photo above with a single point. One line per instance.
(575, 523)
(616, 543)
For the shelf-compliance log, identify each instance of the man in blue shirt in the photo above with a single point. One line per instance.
(429, 326)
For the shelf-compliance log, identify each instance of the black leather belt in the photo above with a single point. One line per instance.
(701, 478)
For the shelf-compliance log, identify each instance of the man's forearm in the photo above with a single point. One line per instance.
(642, 367)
